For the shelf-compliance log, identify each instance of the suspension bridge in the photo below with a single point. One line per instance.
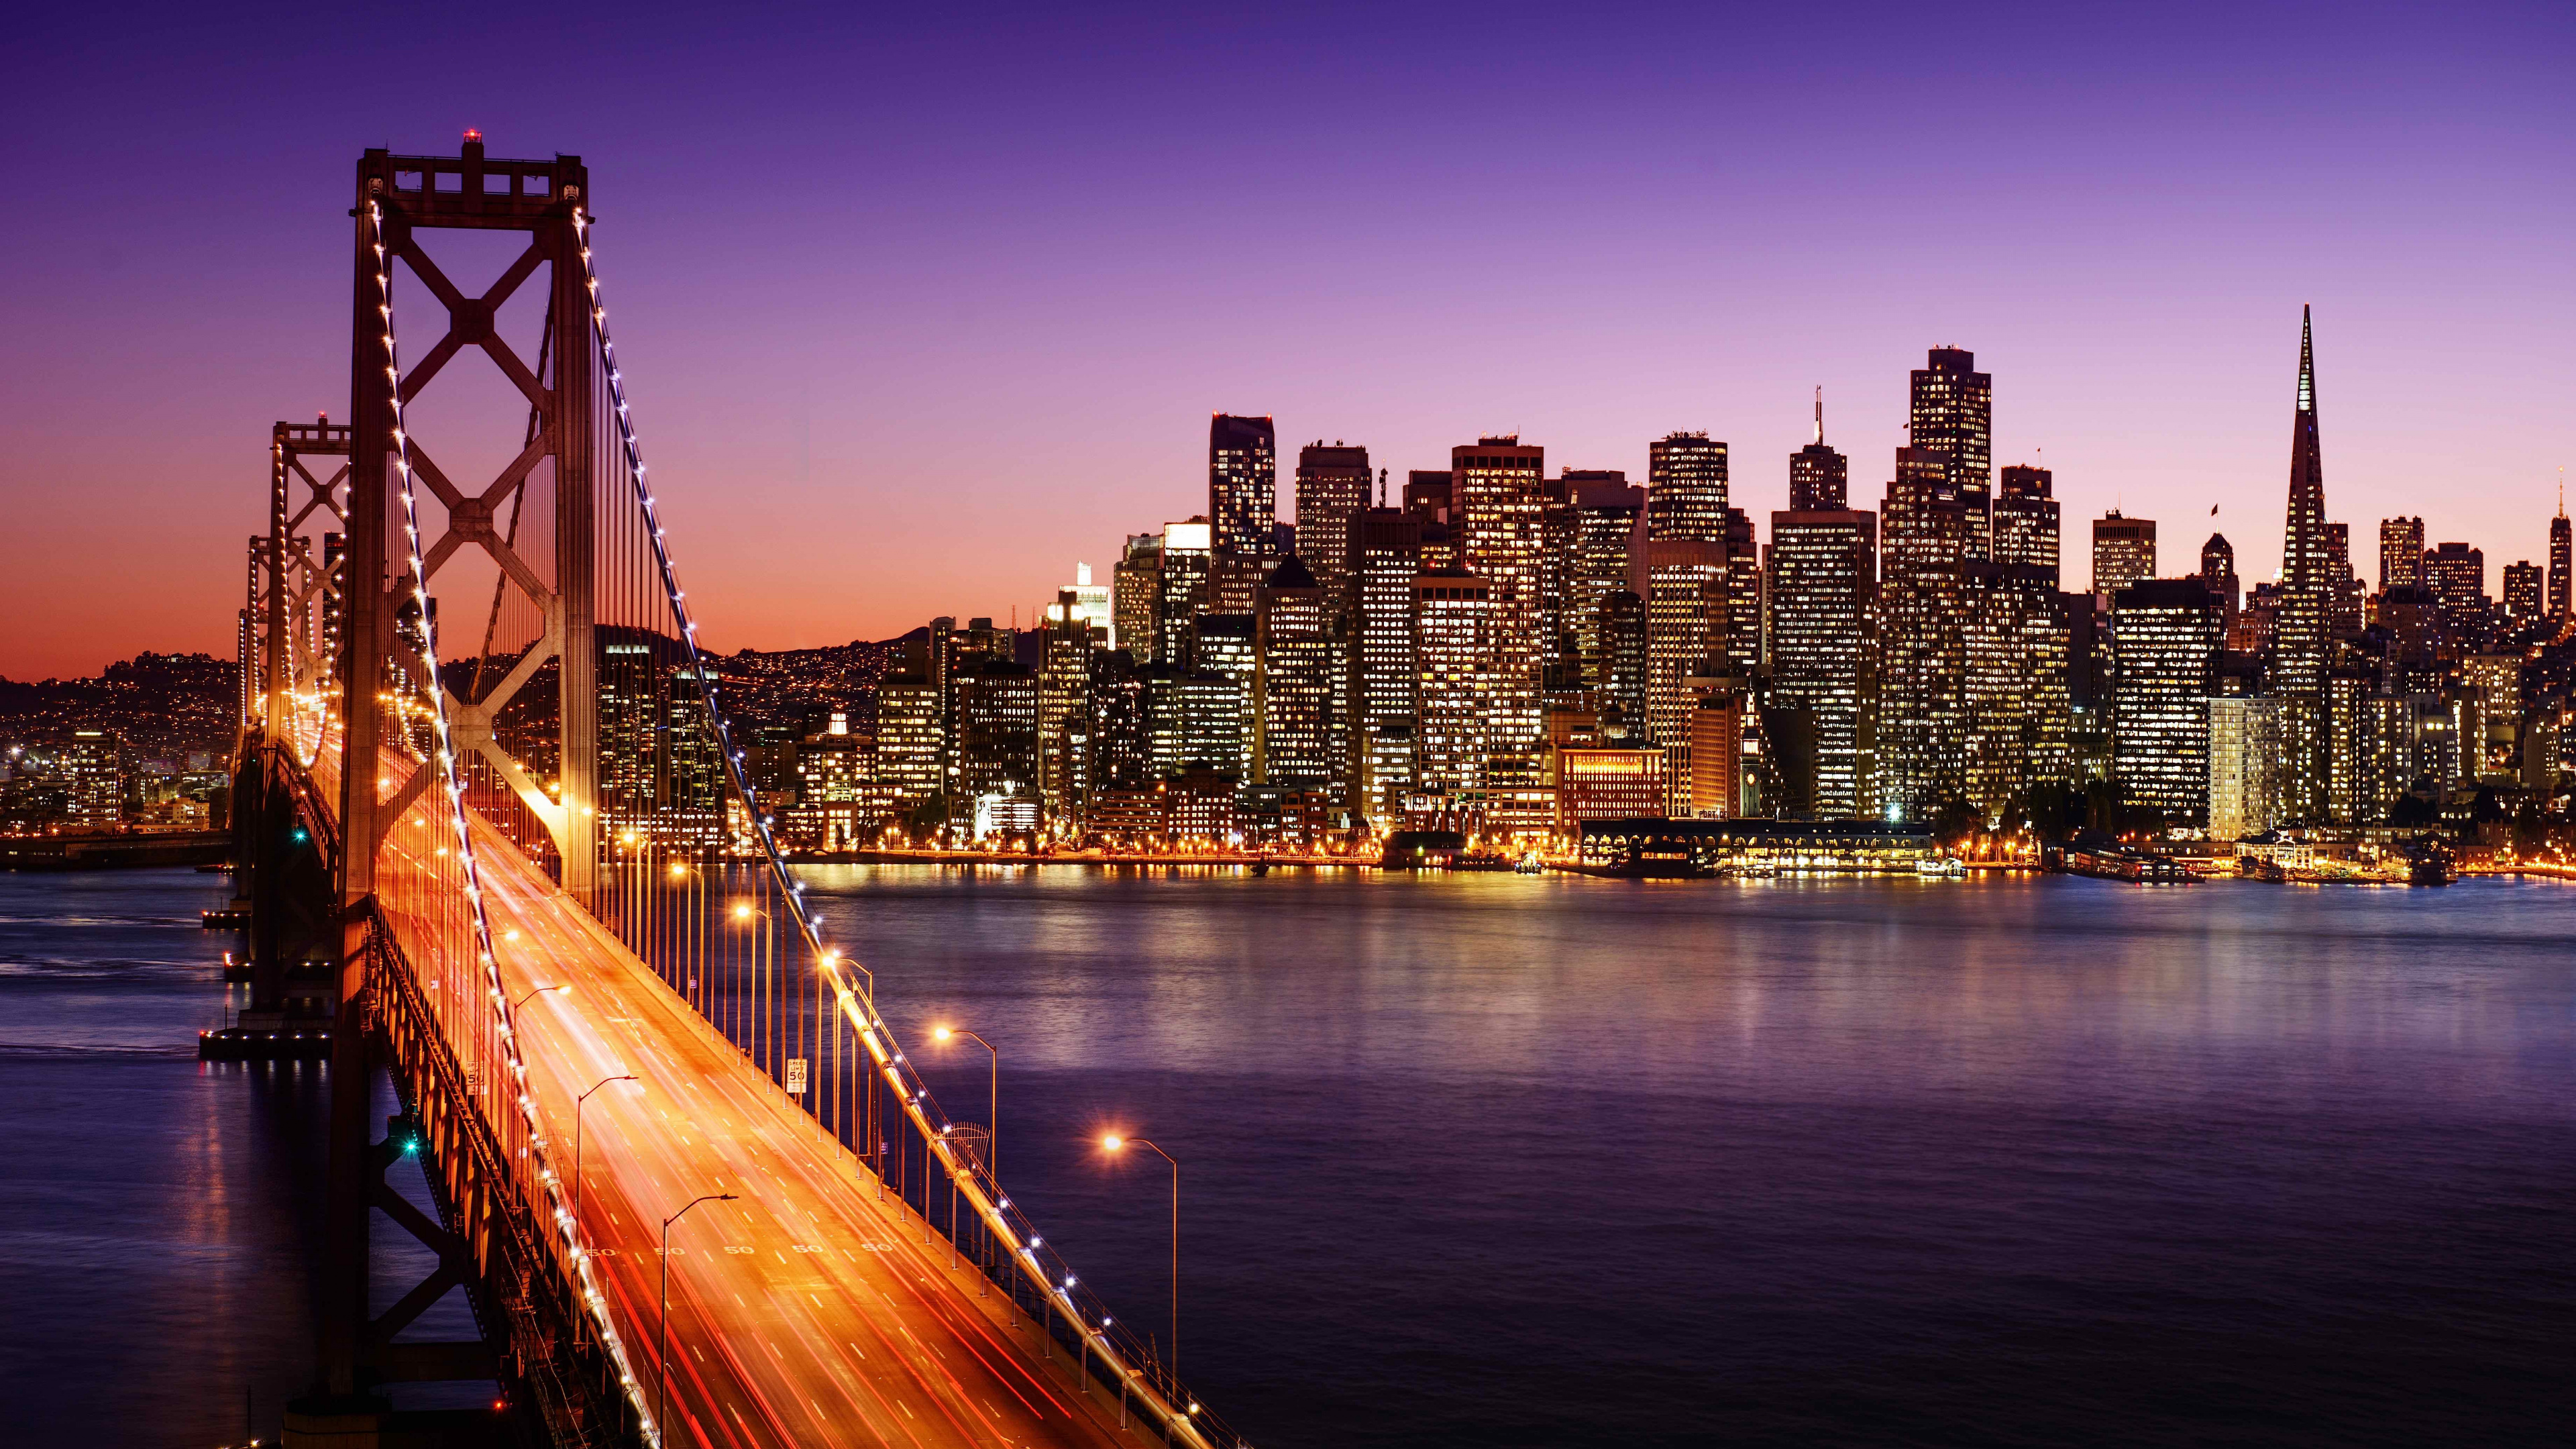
(508, 850)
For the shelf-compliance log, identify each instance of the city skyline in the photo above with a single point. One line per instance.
(1669, 254)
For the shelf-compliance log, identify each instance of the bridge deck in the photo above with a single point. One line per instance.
(807, 1313)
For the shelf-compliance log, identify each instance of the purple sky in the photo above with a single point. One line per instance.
(919, 309)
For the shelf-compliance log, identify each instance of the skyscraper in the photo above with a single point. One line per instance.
(1496, 500)
(1134, 591)
(1952, 414)
(2303, 628)
(1819, 477)
(2025, 520)
(2522, 592)
(1740, 647)
(1181, 591)
(1332, 486)
(1064, 709)
(1386, 558)
(2124, 551)
(2218, 573)
(1924, 541)
(1685, 632)
(2165, 638)
(2244, 767)
(1607, 510)
(2458, 575)
(1686, 488)
(1622, 685)
(1243, 486)
(1822, 595)
(2559, 579)
(2401, 552)
(2014, 646)
(1293, 686)
(1454, 650)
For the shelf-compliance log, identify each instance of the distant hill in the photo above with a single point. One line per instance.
(167, 706)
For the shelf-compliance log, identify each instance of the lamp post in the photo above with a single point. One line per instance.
(744, 912)
(576, 1134)
(662, 1364)
(1115, 1143)
(533, 995)
(993, 1100)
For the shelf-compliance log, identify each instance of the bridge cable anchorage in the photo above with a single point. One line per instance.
(1179, 1411)
(594, 1301)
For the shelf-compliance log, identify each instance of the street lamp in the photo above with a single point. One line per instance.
(1115, 1143)
(993, 1105)
(540, 991)
(662, 1376)
(576, 1134)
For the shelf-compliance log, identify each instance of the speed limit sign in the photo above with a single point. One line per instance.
(796, 1076)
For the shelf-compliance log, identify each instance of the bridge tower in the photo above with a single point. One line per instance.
(400, 202)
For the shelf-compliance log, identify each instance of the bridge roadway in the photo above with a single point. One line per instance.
(807, 1313)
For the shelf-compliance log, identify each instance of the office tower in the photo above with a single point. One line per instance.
(2491, 747)
(1181, 592)
(2458, 576)
(1623, 684)
(2164, 640)
(1194, 721)
(1136, 595)
(2025, 520)
(2124, 551)
(1122, 745)
(1822, 593)
(2014, 649)
(1386, 558)
(2303, 626)
(2412, 616)
(1714, 729)
(2558, 560)
(1092, 603)
(997, 733)
(93, 772)
(1333, 484)
(838, 804)
(1243, 486)
(2350, 683)
(1685, 633)
(692, 780)
(912, 744)
(1292, 681)
(1555, 567)
(1455, 658)
(1819, 477)
(2244, 766)
(1741, 643)
(1495, 507)
(1952, 414)
(1686, 488)
(1064, 709)
(1227, 648)
(1923, 541)
(2343, 607)
(1608, 510)
(2522, 592)
(1427, 494)
(2401, 552)
(2218, 570)
(2218, 573)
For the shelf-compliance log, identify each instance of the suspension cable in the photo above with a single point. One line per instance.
(444, 758)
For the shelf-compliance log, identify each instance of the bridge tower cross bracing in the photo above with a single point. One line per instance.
(415, 195)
